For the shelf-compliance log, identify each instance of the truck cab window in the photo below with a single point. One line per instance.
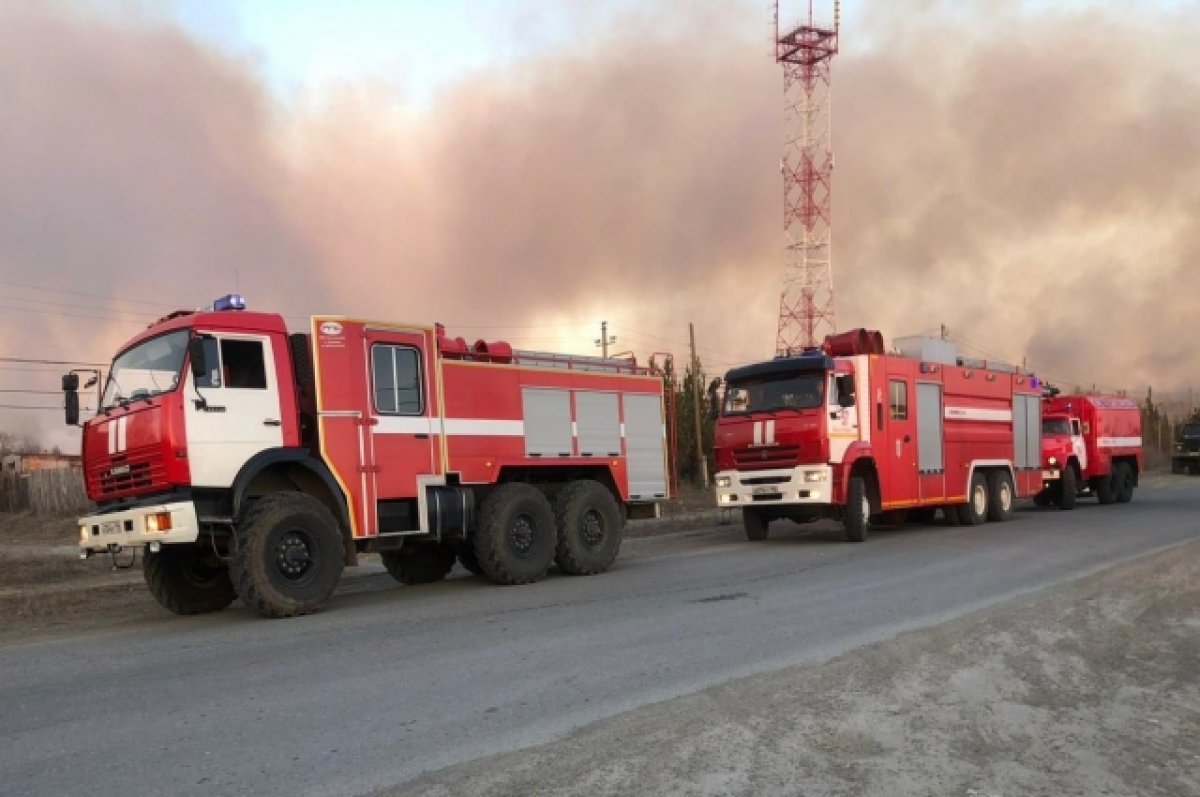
(233, 363)
(396, 376)
(242, 364)
(844, 385)
(898, 394)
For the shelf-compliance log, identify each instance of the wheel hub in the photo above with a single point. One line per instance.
(592, 529)
(293, 556)
(520, 535)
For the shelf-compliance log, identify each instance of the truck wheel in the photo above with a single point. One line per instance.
(757, 527)
(421, 564)
(1000, 495)
(589, 522)
(858, 510)
(976, 509)
(1104, 488)
(1068, 489)
(289, 555)
(466, 558)
(1123, 483)
(516, 537)
(188, 579)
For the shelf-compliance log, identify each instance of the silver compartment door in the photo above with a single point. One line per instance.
(929, 428)
(598, 420)
(645, 440)
(547, 422)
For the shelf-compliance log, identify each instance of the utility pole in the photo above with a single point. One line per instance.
(700, 459)
(605, 339)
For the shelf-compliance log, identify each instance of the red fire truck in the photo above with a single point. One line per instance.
(1090, 444)
(252, 463)
(851, 432)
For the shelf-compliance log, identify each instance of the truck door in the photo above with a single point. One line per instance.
(405, 427)
(899, 449)
(232, 412)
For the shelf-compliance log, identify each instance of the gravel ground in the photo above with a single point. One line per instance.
(1092, 688)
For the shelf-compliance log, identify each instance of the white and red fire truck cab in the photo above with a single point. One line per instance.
(851, 432)
(1091, 444)
(249, 462)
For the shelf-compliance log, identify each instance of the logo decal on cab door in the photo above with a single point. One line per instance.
(331, 328)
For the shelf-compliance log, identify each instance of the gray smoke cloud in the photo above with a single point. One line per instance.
(1002, 168)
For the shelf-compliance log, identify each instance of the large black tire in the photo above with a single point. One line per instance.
(975, 511)
(1123, 482)
(466, 558)
(517, 537)
(757, 527)
(1068, 489)
(188, 579)
(1000, 495)
(1104, 488)
(423, 563)
(289, 555)
(858, 510)
(589, 522)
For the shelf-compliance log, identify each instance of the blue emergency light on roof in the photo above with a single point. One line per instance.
(230, 301)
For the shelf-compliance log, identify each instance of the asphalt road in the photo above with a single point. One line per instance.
(391, 681)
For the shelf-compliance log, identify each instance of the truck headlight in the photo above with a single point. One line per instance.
(723, 481)
(814, 476)
(159, 521)
(1052, 461)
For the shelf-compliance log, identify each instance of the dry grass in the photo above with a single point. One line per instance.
(26, 528)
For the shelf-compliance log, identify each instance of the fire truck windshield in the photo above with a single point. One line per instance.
(783, 392)
(1190, 432)
(149, 368)
(1056, 426)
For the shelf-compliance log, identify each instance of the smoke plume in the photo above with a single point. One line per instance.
(1028, 177)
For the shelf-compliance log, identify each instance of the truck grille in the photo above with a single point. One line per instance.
(766, 458)
(126, 474)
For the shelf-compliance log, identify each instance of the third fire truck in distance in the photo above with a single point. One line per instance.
(1091, 445)
(249, 462)
(852, 432)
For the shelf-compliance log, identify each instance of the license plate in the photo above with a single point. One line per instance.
(110, 527)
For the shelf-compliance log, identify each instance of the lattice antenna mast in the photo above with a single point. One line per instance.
(806, 304)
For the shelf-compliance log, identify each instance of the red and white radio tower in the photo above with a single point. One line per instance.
(806, 304)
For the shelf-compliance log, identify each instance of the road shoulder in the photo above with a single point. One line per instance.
(1087, 688)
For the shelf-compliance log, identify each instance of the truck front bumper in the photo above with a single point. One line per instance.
(161, 523)
(806, 485)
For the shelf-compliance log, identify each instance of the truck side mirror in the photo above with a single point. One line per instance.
(196, 356)
(71, 398)
(714, 406)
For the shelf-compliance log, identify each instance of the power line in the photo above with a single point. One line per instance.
(84, 293)
(29, 361)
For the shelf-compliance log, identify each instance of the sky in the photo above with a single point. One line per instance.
(524, 169)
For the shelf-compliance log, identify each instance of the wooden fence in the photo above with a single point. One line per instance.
(50, 492)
